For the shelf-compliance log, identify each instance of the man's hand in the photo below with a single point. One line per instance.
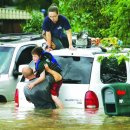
(31, 85)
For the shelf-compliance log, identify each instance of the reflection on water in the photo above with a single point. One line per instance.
(67, 119)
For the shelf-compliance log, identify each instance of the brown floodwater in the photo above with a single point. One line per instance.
(66, 119)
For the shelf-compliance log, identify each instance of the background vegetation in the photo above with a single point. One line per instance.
(33, 25)
(101, 18)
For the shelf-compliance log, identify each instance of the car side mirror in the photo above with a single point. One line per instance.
(18, 72)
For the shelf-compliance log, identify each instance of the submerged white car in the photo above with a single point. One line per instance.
(83, 77)
(15, 50)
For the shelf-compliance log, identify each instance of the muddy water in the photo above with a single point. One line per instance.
(67, 119)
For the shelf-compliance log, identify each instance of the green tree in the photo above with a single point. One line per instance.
(101, 18)
(119, 24)
(85, 15)
(34, 25)
(32, 4)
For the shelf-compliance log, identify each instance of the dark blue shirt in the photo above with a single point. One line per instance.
(56, 29)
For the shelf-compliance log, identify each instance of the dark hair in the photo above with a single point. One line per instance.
(38, 51)
(53, 8)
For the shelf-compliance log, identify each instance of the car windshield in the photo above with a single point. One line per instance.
(6, 54)
(75, 70)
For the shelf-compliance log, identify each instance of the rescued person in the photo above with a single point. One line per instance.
(46, 64)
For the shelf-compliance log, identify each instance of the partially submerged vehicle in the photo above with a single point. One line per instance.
(15, 50)
(83, 77)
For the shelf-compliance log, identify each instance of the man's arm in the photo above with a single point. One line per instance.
(39, 80)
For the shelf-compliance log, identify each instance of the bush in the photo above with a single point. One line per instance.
(34, 25)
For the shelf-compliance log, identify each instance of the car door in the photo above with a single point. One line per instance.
(23, 57)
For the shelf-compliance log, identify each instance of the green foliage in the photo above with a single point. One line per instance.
(85, 15)
(30, 5)
(27, 4)
(116, 54)
(101, 18)
(122, 57)
(77, 16)
(119, 23)
(100, 58)
(34, 25)
(119, 57)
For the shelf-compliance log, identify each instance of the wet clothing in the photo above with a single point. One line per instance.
(40, 95)
(52, 63)
(47, 58)
(56, 87)
(57, 30)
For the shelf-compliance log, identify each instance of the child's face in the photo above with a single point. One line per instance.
(35, 58)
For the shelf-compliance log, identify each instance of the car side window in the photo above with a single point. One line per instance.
(76, 70)
(112, 72)
(25, 56)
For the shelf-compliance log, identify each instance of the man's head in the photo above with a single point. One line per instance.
(27, 72)
(53, 13)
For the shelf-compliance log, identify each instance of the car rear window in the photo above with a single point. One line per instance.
(75, 70)
(112, 72)
(6, 54)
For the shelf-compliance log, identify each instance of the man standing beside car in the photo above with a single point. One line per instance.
(53, 29)
(40, 95)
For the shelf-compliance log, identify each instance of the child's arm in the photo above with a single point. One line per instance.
(39, 80)
(55, 74)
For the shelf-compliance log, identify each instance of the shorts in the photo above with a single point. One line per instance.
(56, 87)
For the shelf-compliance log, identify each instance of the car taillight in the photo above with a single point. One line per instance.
(16, 98)
(91, 100)
(121, 92)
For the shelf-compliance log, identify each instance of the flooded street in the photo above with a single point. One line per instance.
(67, 119)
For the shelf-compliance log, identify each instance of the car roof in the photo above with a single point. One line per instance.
(15, 40)
(85, 52)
